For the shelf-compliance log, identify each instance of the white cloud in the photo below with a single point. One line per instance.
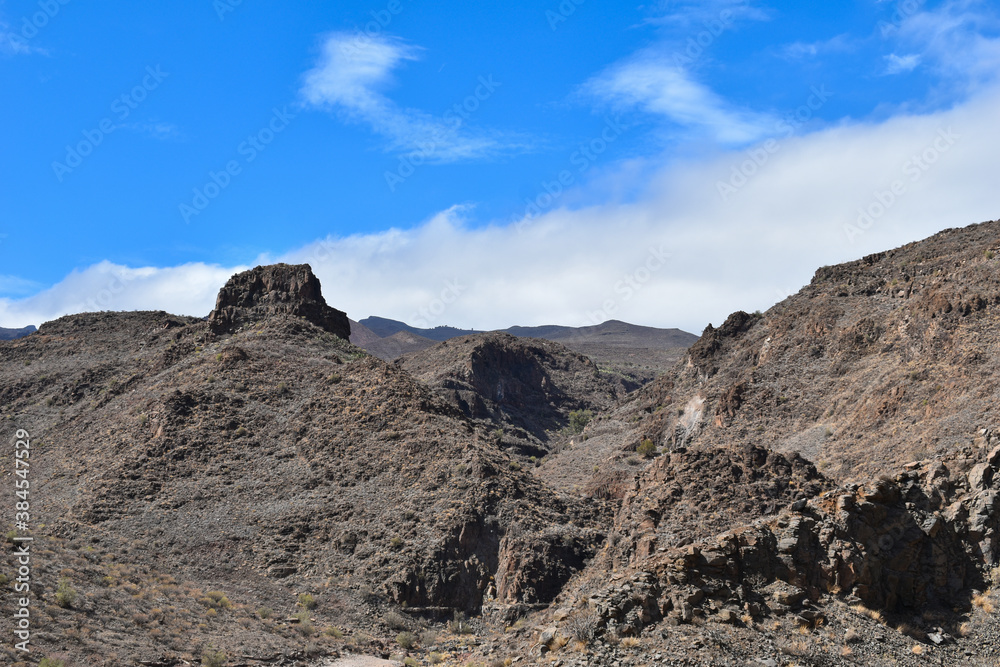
(901, 64)
(655, 85)
(189, 289)
(838, 44)
(800, 210)
(687, 13)
(350, 76)
(953, 39)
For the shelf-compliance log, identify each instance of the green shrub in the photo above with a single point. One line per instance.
(211, 658)
(646, 449)
(459, 625)
(264, 613)
(578, 420)
(406, 640)
(216, 600)
(65, 595)
(396, 542)
(50, 662)
(307, 601)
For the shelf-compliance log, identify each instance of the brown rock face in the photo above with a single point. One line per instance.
(278, 289)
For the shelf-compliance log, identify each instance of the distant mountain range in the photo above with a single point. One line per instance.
(11, 334)
(637, 353)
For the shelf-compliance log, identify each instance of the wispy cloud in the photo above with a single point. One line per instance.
(688, 13)
(350, 77)
(901, 64)
(15, 286)
(958, 40)
(657, 86)
(154, 129)
(798, 50)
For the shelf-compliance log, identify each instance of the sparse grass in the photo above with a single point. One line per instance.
(984, 602)
(583, 628)
(852, 636)
(50, 662)
(917, 649)
(334, 632)
(873, 614)
(630, 642)
(396, 621)
(435, 658)
(216, 600)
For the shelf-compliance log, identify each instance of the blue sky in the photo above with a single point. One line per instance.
(450, 163)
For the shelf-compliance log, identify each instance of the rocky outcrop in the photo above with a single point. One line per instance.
(268, 291)
(527, 384)
(921, 541)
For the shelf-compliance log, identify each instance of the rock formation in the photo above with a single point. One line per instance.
(279, 289)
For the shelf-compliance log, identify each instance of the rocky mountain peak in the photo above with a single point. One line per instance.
(277, 289)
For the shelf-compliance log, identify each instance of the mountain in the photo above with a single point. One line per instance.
(397, 345)
(11, 334)
(874, 364)
(527, 386)
(879, 370)
(815, 484)
(385, 327)
(635, 353)
(190, 473)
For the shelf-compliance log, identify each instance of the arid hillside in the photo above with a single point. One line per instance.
(875, 363)
(262, 456)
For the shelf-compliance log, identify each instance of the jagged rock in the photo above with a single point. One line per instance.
(980, 477)
(278, 289)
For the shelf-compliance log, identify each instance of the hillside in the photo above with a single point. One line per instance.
(261, 455)
(874, 364)
(525, 386)
(728, 546)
